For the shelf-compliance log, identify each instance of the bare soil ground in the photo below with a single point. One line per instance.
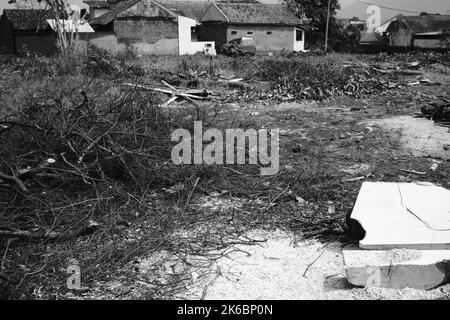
(372, 138)
(276, 237)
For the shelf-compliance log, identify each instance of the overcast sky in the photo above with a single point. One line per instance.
(356, 8)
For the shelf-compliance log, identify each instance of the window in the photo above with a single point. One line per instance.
(194, 34)
(298, 35)
(249, 33)
(269, 33)
(233, 32)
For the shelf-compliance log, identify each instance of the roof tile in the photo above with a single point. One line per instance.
(28, 19)
(247, 13)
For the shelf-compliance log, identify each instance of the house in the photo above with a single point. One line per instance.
(151, 27)
(23, 31)
(273, 27)
(31, 31)
(427, 31)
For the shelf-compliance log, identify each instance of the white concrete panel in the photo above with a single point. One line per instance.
(400, 215)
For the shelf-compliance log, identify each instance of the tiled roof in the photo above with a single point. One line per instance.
(111, 14)
(28, 19)
(144, 8)
(97, 3)
(246, 13)
(426, 23)
(189, 9)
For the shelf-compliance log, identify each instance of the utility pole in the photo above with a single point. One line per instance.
(328, 25)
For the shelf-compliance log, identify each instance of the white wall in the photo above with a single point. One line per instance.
(185, 43)
(97, 12)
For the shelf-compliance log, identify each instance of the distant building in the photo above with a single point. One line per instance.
(273, 27)
(31, 31)
(150, 27)
(427, 31)
(97, 7)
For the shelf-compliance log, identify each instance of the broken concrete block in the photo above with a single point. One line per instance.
(403, 215)
(398, 268)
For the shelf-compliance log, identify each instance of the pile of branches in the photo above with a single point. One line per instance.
(424, 57)
(63, 162)
(315, 78)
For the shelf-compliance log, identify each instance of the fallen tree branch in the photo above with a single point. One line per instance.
(172, 92)
(28, 234)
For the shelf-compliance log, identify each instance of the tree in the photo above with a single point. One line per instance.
(316, 12)
(28, 4)
(60, 10)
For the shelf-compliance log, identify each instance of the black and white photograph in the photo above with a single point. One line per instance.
(241, 152)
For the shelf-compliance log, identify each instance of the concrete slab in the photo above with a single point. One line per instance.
(403, 215)
(397, 268)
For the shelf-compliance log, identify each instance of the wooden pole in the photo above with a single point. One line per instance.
(327, 28)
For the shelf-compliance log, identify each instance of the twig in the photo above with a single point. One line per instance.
(354, 179)
(321, 254)
(309, 266)
(413, 172)
(168, 85)
(93, 143)
(14, 179)
(281, 194)
(4, 255)
(27, 234)
(171, 92)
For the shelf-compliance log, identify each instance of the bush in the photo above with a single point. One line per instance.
(79, 151)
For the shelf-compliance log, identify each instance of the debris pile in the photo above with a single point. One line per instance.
(438, 111)
(323, 80)
(421, 57)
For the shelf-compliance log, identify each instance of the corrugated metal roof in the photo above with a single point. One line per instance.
(246, 13)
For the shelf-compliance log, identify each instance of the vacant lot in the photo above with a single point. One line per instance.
(94, 185)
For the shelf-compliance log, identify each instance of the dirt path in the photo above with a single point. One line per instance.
(281, 267)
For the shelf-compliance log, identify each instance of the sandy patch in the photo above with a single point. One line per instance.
(279, 268)
(420, 137)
